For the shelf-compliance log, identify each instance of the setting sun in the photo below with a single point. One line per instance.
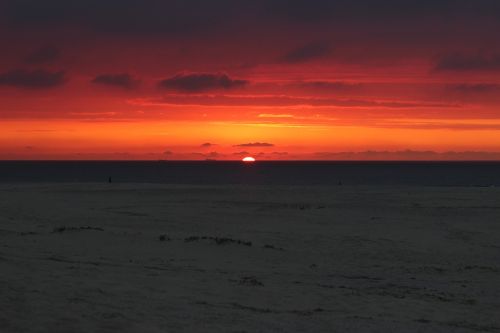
(248, 159)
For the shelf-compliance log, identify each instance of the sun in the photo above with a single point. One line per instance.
(248, 159)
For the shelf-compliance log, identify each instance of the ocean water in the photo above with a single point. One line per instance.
(259, 173)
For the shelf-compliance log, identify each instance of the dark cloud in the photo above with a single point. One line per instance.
(300, 10)
(461, 62)
(361, 31)
(44, 54)
(37, 79)
(198, 82)
(118, 80)
(474, 88)
(181, 17)
(213, 154)
(283, 100)
(208, 145)
(255, 144)
(314, 11)
(409, 155)
(306, 53)
(329, 86)
(440, 125)
(474, 93)
(210, 156)
(122, 16)
(152, 11)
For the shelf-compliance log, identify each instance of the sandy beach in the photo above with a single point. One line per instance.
(160, 258)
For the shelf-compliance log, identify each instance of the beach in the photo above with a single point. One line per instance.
(93, 257)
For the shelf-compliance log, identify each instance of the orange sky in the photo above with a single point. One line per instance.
(299, 83)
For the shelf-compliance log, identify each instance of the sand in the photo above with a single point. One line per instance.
(160, 258)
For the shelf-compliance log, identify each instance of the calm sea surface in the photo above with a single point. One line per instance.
(274, 173)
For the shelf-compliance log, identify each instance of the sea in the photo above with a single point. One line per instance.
(259, 173)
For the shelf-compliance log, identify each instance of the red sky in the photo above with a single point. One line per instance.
(277, 79)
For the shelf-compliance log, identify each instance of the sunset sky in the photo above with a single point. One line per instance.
(275, 79)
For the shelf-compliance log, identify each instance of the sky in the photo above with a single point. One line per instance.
(274, 79)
